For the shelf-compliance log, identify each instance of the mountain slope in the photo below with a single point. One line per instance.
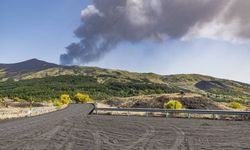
(216, 88)
(29, 66)
(112, 82)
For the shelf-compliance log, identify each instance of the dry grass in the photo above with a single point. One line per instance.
(17, 112)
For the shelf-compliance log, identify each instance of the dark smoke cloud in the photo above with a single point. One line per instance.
(106, 23)
(240, 11)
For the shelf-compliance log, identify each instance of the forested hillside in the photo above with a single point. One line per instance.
(40, 80)
(52, 87)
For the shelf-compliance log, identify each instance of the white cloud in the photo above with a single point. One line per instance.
(216, 30)
(220, 27)
(90, 11)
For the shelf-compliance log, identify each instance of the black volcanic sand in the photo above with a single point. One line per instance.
(72, 129)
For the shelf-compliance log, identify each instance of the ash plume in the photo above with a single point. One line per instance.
(106, 23)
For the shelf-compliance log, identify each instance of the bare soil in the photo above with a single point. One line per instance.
(72, 128)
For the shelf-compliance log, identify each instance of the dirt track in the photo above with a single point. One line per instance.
(73, 129)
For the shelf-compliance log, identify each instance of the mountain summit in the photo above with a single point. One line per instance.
(28, 66)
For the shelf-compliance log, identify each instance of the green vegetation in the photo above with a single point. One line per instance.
(173, 104)
(219, 90)
(2, 73)
(58, 104)
(45, 83)
(17, 99)
(65, 99)
(44, 89)
(82, 98)
(235, 105)
(50, 101)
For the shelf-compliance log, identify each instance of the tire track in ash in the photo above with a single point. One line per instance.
(27, 136)
(95, 133)
(129, 134)
(149, 132)
(100, 136)
(108, 139)
(84, 131)
(65, 135)
(43, 140)
(113, 138)
(48, 131)
(180, 138)
(112, 143)
(68, 134)
(79, 133)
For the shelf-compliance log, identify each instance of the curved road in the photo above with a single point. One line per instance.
(73, 129)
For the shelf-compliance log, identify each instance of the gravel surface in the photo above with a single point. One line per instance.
(72, 128)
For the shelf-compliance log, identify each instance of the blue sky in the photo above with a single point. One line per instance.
(42, 29)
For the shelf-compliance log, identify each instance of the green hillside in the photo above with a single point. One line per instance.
(49, 81)
(214, 88)
(99, 87)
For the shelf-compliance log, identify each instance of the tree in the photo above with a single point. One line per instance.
(82, 98)
(173, 104)
(65, 99)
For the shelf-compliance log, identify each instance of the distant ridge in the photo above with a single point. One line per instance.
(28, 66)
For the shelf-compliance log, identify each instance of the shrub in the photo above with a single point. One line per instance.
(82, 98)
(235, 105)
(58, 104)
(17, 99)
(65, 99)
(49, 101)
(173, 104)
(182, 93)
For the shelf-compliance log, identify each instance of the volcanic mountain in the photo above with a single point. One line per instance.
(29, 66)
(47, 80)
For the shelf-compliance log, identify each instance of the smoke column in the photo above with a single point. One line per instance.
(106, 23)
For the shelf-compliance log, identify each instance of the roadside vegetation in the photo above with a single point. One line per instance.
(236, 105)
(82, 98)
(58, 104)
(173, 104)
(66, 100)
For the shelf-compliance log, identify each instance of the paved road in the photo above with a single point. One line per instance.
(73, 129)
